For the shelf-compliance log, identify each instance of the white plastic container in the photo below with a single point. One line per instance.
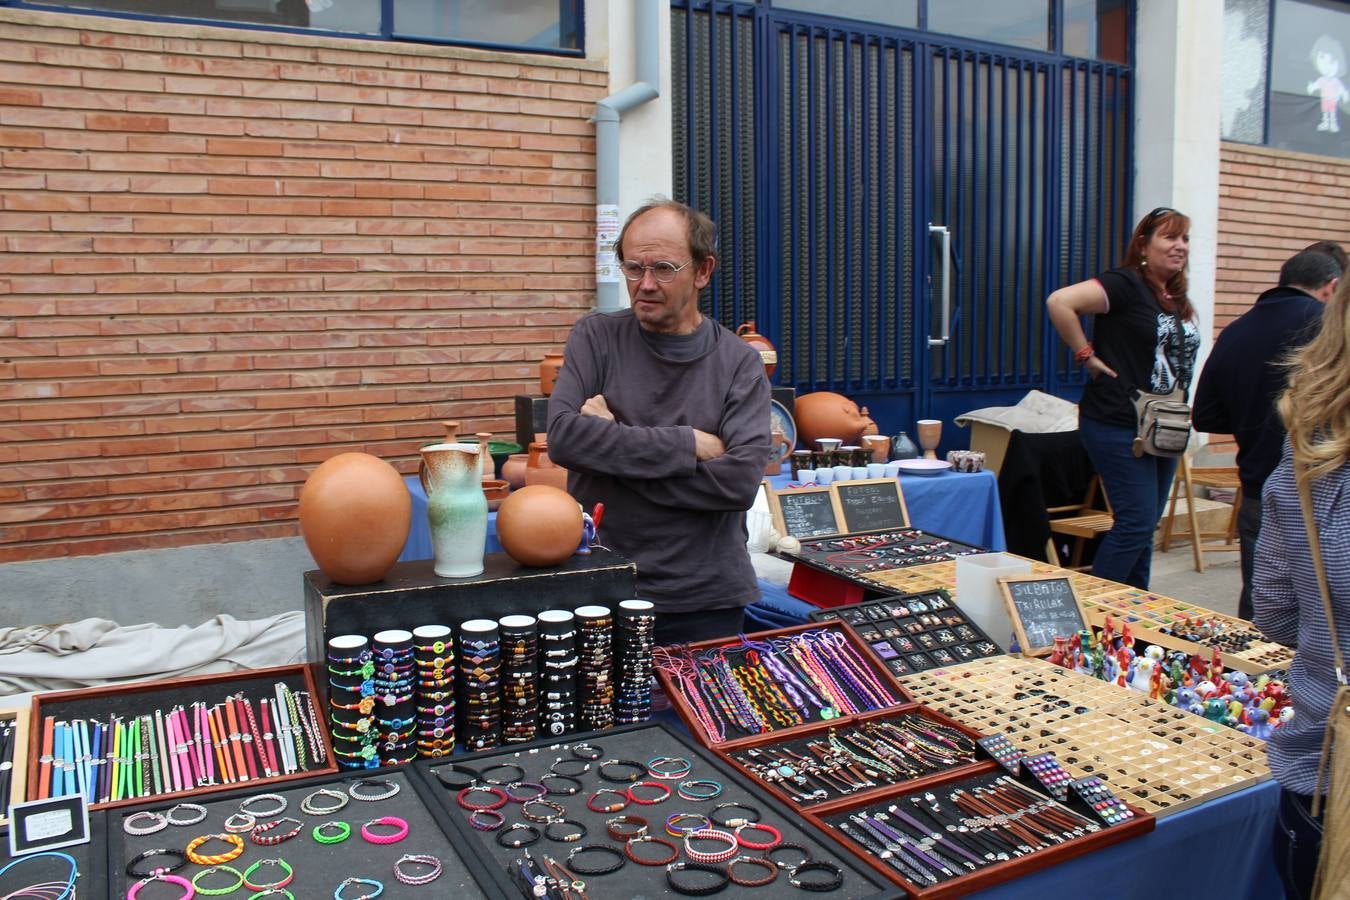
(978, 595)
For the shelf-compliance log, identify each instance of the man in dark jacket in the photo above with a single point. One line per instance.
(1244, 376)
(662, 414)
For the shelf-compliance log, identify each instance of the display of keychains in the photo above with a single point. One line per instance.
(520, 689)
(634, 641)
(479, 716)
(557, 672)
(595, 669)
(392, 653)
(434, 656)
(351, 701)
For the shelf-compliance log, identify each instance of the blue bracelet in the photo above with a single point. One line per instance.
(70, 881)
(379, 889)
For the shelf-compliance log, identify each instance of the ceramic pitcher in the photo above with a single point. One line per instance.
(457, 510)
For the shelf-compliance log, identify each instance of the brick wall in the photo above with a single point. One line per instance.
(1272, 203)
(230, 255)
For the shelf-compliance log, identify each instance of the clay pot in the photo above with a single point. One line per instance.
(826, 414)
(495, 491)
(763, 345)
(485, 461)
(539, 525)
(513, 470)
(541, 470)
(354, 514)
(878, 447)
(451, 432)
(549, 368)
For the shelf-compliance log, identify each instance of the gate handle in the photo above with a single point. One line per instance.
(946, 285)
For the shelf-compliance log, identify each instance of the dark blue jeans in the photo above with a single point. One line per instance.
(1249, 528)
(1297, 845)
(1137, 488)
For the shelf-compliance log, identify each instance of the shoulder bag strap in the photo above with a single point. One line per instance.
(1315, 545)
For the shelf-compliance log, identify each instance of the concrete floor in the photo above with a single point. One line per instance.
(1217, 588)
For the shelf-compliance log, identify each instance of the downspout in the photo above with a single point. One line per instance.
(608, 112)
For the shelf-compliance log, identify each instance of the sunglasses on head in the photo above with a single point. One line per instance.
(1161, 211)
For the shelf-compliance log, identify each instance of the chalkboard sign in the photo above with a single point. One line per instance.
(1042, 607)
(805, 512)
(872, 504)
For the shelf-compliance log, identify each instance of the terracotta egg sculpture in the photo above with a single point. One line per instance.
(824, 414)
(355, 512)
(539, 525)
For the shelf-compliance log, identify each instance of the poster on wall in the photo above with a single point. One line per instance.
(1309, 82)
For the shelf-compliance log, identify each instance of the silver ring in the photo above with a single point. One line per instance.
(307, 805)
(264, 814)
(157, 823)
(198, 813)
(239, 823)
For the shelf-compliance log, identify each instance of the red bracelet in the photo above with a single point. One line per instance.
(498, 794)
(776, 836)
(710, 834)
(260, 834)
(664, 789)
(612, 807)
(649, 839)
(1084, 353)
(400, 827)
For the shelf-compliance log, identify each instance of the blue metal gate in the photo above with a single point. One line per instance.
(894, 205)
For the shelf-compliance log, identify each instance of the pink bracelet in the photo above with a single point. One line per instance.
(400, 826)
(163, 876)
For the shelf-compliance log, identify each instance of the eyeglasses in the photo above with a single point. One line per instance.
(664, 272)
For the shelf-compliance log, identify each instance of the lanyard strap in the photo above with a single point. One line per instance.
(1315, 545)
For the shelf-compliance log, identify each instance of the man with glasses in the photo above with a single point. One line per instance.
(662, 415)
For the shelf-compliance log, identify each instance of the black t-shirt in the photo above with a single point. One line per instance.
(1137, 339)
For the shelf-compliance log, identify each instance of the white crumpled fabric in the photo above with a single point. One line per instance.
(1036, 413)
(99, 651)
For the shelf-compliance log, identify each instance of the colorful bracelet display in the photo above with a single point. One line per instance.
(181, 748)
(863, 554)
(753, 687)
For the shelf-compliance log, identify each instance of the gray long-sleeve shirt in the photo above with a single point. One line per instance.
(1288, 605)
(682, 521)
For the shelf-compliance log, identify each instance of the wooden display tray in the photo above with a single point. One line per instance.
(1154, 756)
(998, 873)
(681, 704)
(196, 687)
(823, 807)
(1140, 608)
(18, 775)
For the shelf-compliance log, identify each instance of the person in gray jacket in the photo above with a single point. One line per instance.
(662, 414)
(1286, 596)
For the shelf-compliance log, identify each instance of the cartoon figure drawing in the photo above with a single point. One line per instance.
(1328, 57)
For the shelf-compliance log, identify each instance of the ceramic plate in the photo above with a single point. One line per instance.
(923, 466)
(781, 420)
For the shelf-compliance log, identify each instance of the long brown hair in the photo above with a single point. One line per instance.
(1166, 221)
(1315, 405)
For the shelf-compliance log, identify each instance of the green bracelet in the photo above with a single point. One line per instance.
(344, 832)
(274, 892)
(211, 892)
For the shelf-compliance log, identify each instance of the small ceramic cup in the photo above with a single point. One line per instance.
(876, 470)
(828, 445)
(824, 476)
(806, 476)
(893, 469)
(860, 472)
(843, 473)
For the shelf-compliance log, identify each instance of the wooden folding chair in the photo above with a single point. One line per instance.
(1183, 485)
(1080, 521)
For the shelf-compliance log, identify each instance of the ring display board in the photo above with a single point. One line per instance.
(1156, 757)
(637, 744)
(317, 868)
(1042, 607)
(914, 632)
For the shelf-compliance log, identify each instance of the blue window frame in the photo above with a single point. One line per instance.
(539, 26)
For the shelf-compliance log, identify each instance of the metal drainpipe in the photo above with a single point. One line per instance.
(608, 111)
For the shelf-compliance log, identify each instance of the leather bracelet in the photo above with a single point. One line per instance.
(268, 885)
(517, 775)
(509, 790)
(643, 840)
(818, 865)
(648, 801)
(344, 832)
(530, 840)
(262, 834)
(572, 764)
(779, 848)
(698, 789)
(557, 810)
(421, 859)
(567, 837)
(733, 821)
(614, 827)
(1084, 353)
(609, 808)
(657, 767)
(588, 752)
(775, 836)
(400, 827)
(710, 834)
(584, 869)
(573, 785)
(760, 861)
(696, 890)
(674, 829)
(234, 840)
(178, 856)
(379, 889)
(482, 820)
(638, 770)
